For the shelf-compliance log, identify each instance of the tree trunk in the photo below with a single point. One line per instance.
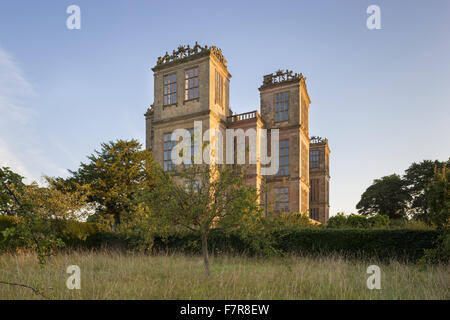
(205, 253)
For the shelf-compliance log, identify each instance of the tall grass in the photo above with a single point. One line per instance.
(114, 275)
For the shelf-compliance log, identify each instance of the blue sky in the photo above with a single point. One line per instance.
(381, 97)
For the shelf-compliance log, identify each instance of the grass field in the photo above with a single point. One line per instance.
(106, 275)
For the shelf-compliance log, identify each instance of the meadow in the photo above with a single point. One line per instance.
(116, 275)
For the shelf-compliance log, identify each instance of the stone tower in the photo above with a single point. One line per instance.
(285, 106)
(319, 173)
(191, 84)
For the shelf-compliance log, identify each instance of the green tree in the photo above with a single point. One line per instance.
(437, 194)
(115, 175)
(386, 196)
(203, 198)
(39, 210)
(11, 185)
(417, 177)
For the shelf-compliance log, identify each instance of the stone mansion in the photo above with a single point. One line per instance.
(192, 84)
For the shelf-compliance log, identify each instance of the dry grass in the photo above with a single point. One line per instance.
(108, 275)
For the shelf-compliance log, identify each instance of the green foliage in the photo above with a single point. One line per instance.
(8, 222)
(410, 225)
(417, 178)
(438, 197)
(441, 252)
(292, 220)
(387, 195)
(139, 232)
(114, 176)
(75, 233)
(37, 208)
(340, 221)
(383, 244)
(35, 233)
(201, 198)
(421, 194)
(379, 243)
(11, 185)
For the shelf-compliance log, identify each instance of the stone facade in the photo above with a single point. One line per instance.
(192, 84)
(319, 174)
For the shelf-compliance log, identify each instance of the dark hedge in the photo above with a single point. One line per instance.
(382, 244)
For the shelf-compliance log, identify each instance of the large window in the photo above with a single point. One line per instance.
(314, 190)
(284, 158)
(170, 89)
(168, 146)
(314, 158)
(227, 93)
(191, 84)
(219, 89)
(314, 213)
(281, 106)
(282, 199)
(191, 132)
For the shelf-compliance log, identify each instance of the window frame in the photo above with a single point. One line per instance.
(314, 213)
(282, 106)
(195, 88)
(314, 190)
(314, 159)
(283, 169)
(169, 96)
(168, 145)
(219, 91)
(282, 205)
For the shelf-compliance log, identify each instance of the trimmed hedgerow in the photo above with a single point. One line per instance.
(409, 244)
(378, 243)
(381, 244)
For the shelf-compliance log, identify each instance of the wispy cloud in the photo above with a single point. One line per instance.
(14, 88)
(8, 159)
(20, 145)
(14, 91)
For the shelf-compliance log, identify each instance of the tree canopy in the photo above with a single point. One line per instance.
(201, 198)
(387, 196)
(437, 194)
(417, 178)
(409, 196)
(115, 175)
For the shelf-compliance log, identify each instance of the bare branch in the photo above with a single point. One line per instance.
(36, 291)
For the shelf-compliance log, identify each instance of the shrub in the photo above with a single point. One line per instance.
(8, 222)
(378, 221)
(358, 221)
(75, 233)
(337, 221)
(383, 244)
(441, 252)
(294, 220)
(378, 243)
